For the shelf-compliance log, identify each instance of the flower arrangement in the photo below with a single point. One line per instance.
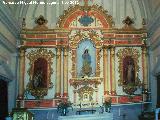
(63, 107)
(107, 104)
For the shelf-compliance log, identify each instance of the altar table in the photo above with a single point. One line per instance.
(104, 116)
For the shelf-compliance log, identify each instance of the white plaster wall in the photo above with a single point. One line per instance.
(154, 66)
(7, 33)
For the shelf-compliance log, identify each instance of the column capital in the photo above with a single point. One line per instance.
(58, 52)
(105, 52)
(112, 51)
(22, 52)
(65, 52)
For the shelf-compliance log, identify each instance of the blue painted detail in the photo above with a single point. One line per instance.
(86, 20)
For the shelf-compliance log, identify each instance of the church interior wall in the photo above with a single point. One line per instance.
(154, 61)
(8, 68)
(114, 8)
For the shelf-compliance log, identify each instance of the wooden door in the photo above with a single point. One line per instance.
(3, 99)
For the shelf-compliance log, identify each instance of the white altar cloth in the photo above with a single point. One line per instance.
(104, 116)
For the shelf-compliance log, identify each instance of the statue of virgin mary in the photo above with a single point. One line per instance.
(86, 68)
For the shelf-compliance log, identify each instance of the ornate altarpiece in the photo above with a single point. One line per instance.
(94, 24)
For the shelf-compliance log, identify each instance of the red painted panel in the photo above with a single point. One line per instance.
(137, 98)
(114, 99)
(51, 36)
(30, 35)
(121, 42)
(40, 44)
(62, 35)
(41, 36)
(128, 36)
(137, 36)
(123, 99)
(94, 13)
(108, 35)
(119, 36)
(40, 103)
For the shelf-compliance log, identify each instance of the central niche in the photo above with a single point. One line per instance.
(86, 58)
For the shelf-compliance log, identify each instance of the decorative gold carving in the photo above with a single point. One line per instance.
(144, 23)
(128, 24)
(96, 8)
(98, 62)
(41, 23)
(75, 82)
(134, 54)
(39, 92)
(23, 23)
(95, 37)
(74, 63)
(85, 93)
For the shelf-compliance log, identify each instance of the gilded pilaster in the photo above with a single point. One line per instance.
(145, 67)
(112, 75)
(98, 62)
(58, 73)
(74, 73)
(105, 71)
(22, 72)
(65, 74)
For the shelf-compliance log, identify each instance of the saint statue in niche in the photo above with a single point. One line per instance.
(86, 68)
(40, 73)
(37, 79)
(129, 71)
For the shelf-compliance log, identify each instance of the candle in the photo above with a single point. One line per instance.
(47, 115)
(119, 112)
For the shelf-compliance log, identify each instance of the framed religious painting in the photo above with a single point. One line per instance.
(40, 72)
(128, 69)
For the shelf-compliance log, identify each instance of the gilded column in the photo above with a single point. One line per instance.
(58, 73)
(65, 73)
(105, 71)
(74, 71)
(145, 67)
(98, 62)
(21, 73)
(112, 69)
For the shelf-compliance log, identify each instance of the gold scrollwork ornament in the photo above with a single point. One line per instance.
(40, 92)
(134, 54)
